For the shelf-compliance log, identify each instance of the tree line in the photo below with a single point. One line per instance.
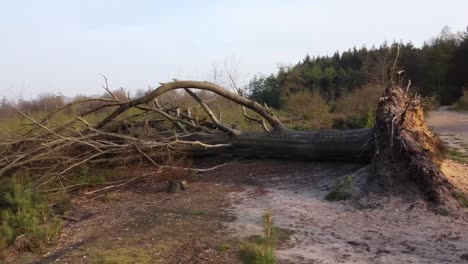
(438, 69)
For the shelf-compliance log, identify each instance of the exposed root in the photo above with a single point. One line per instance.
(411, 152)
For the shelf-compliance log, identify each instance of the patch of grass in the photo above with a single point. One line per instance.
(128, 254)
(456, 155)
(341, 191)
(87, 176)
(98, 258)
(224, 247)
(199, 213)
(261, 251)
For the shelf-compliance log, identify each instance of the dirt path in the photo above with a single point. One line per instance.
(451, 126)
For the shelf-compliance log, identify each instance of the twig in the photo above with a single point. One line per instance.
(112, 186)
(145, 155)
(195, 169)
(55, 134)
(106, 87)
(83, 161)
(395, 63)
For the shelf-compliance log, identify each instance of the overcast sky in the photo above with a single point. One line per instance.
(63, 46)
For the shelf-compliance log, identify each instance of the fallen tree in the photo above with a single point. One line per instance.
(400, 144)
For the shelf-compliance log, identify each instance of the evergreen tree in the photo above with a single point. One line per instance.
(439, 68)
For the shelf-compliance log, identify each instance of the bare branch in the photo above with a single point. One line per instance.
(254, 106)
(106, 87)
(210, 113)
(258, 120)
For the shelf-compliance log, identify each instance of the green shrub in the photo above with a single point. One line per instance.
(370, 119)
(357, 109)
(462, 103)
(261, 251)
(354, 120)
(28, 221)
(360, 101)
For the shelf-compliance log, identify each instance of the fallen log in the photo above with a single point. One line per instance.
(400, 144)
(353, 145)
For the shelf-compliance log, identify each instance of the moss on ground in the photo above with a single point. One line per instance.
(342, 191)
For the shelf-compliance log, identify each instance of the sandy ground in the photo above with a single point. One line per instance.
(144, 224)
(395, 229)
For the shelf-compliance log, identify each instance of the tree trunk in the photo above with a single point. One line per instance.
(354, 145)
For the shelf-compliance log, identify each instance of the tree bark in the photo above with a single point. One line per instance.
(354, 145)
